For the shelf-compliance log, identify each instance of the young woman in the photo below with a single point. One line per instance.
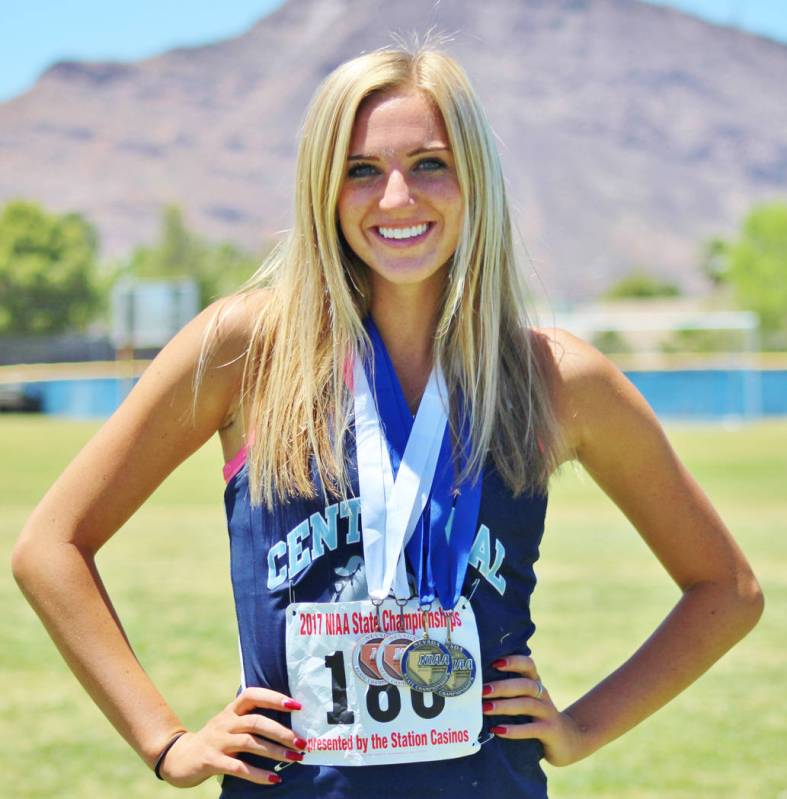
(398, 275)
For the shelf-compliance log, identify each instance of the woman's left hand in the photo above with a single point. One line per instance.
(525, 695)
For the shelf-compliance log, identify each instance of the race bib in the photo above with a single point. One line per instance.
(344, 667)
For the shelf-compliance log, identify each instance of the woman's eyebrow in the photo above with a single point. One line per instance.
(417, 151)
(432, 148)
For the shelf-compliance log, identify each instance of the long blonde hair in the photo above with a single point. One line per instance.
(300, 407)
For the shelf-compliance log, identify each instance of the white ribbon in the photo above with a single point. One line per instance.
(391, 508)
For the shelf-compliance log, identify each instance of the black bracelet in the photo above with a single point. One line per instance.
(160, 759)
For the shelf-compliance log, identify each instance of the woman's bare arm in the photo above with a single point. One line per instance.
(617, 438)
(54, 559)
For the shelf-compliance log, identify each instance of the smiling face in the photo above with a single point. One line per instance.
(400, 207)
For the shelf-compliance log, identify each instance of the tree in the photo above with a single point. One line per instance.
(714, 261)
(217, 268)
(641, 285)
(755, 265)
(48, 278)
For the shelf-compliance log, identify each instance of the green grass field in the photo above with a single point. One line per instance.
(600, 594)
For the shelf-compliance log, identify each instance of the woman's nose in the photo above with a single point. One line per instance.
(397, 192)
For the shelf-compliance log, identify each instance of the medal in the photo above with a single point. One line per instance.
(365, 658)
(389, 657)
(426, 663)
(392, 505)
(463, 668)
(411, 504)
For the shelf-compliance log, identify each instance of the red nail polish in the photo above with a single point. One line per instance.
(486, 690)
(274, 779)
(500, 663)
(498, 730)
(299, 743)
(487, 706)
(291, 704)
(296, 756)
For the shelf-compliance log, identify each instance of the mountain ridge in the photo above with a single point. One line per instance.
(628, 132)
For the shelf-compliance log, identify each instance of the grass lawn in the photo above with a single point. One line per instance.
(601, 592)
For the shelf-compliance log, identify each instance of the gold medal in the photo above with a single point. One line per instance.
(426, 663)
(463, 666)
(462, 674)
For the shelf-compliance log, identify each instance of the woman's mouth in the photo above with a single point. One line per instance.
(403, 235)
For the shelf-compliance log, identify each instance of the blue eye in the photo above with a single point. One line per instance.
(361, 171)
(430, 164)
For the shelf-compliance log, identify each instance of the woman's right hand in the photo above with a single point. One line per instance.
(195, 756)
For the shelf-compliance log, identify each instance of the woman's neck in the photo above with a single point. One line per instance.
(407, 317)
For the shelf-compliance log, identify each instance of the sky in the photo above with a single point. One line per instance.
(36, 33)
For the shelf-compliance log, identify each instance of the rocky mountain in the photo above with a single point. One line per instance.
(629, 132)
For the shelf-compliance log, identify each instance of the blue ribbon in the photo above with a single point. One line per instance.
(439, 549)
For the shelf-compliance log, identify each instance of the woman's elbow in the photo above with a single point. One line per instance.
(36, 562)
(744, 602)
(25, 561)
(735, 601)
(751, 600)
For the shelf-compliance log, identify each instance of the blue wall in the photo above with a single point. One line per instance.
(690, 394)
(86, 398)
(713, 393)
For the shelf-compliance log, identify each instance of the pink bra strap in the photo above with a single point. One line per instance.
(349, 379)
(235, 463)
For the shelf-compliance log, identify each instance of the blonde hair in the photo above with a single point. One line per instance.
(300, 407)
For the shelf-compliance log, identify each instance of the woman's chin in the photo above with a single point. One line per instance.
(403, 273)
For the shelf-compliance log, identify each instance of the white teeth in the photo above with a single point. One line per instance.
(403, 232)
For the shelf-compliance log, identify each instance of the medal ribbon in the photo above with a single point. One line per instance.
(391, 506)
(406, 479)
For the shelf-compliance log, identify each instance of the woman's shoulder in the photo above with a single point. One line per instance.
(573, 358)
(226, 329)
(586, 386)
(208, 353)
(229, 323)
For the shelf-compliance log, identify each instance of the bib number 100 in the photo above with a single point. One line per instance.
(381, 710)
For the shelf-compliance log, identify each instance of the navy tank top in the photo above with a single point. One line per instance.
(309, 550)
